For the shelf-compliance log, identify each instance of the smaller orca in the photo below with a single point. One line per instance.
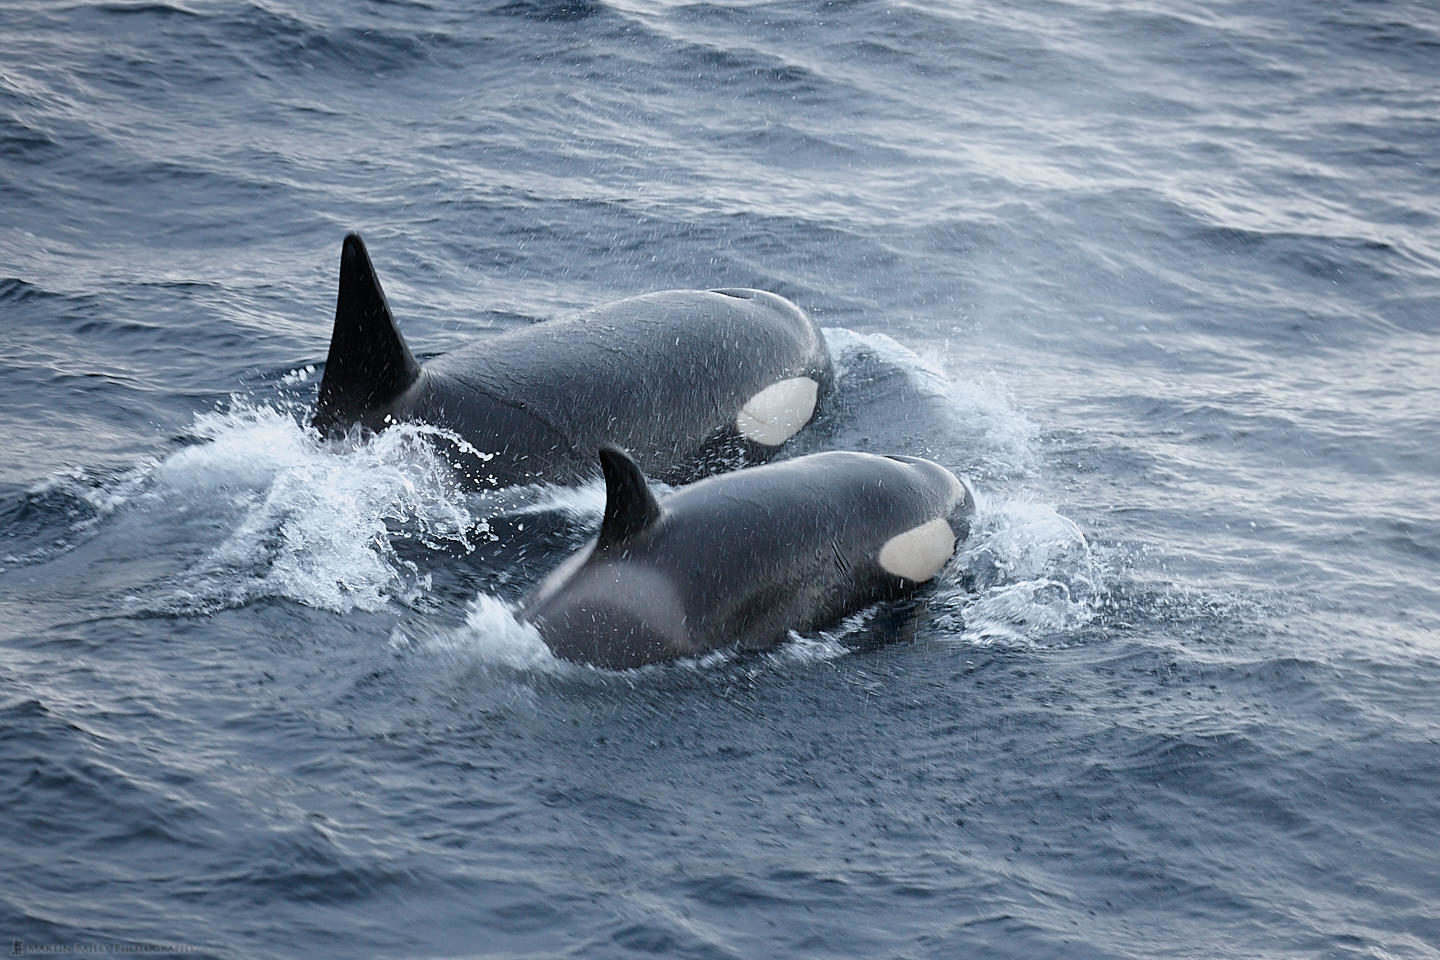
(740, 559)
(690, 380)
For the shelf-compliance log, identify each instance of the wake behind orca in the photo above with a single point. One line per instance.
(740, 559)
(690, 381)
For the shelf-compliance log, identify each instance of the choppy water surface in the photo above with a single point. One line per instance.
(1162, 279)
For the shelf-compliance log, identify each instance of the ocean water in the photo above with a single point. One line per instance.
(1161, 279)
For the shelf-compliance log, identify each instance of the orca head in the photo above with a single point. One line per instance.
(920, 552)
(779, 410)
(777, 413)
(767, 300)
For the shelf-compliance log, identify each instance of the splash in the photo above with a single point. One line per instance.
(490, 635)
(302, 518)
(1030, 578)
(582, 505)
(1026, 574)
(823, 645)
(886, 390)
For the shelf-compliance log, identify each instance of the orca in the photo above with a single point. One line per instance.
(690, 381)
(740, 559)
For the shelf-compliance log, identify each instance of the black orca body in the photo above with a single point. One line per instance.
(739, 560)
(689, 380)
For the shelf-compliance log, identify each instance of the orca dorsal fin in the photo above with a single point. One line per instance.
(369, 363)
(630, 507)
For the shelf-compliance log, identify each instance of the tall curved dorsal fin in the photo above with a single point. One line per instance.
(369, 363)
(630, 507)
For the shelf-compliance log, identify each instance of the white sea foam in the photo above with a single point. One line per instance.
(291, 515)
(1026, 574)
(823, 645)
(583, 504)
(491, 634)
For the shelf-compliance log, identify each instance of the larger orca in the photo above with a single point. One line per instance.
(688, 380)
(739, 560)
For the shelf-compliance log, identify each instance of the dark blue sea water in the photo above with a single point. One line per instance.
(1161, 278)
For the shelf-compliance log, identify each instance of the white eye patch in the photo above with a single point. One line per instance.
(777, 413)
(920, 552)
